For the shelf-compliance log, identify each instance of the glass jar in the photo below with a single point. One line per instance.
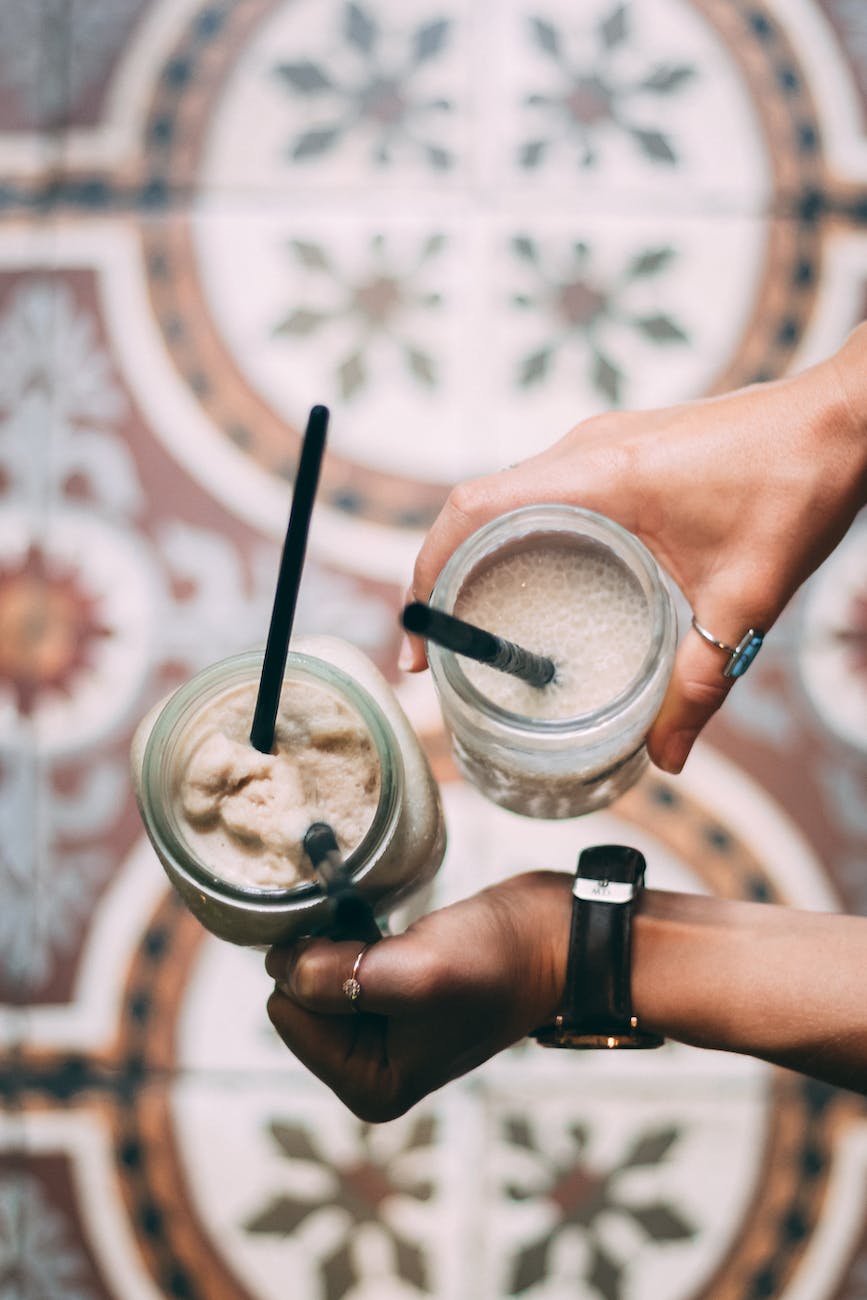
(401, 850)
(565, 766)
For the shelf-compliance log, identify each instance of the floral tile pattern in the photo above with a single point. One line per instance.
(463, 226)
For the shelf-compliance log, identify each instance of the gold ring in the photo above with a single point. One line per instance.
(352, 986)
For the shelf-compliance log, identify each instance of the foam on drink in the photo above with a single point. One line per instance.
(571, 585)
(571, 600)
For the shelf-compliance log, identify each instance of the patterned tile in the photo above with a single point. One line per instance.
(847, 21)
(464, 226)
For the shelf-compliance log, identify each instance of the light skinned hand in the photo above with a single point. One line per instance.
(457, 987)
(739, 497)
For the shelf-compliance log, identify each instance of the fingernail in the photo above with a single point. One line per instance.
(276, 964)
(676, 751)
(406, 658)
(279, 963)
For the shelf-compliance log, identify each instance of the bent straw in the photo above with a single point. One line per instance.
(474, 642)
(352, 915)
(288, 581)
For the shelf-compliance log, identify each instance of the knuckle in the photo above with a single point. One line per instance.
(426, 982)
(703, 696)
(602, 425)
(381, 1104)
(455, 521)
(306, 981)
(374, 1110)
(462, 502)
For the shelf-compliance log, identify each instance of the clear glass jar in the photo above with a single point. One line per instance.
(400, 852)
(563, 766)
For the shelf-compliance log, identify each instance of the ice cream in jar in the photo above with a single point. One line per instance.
(228, 822)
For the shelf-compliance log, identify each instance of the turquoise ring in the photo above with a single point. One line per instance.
(740, 655)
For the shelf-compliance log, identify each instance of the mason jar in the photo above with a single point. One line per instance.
(400, 851)
(582, 758)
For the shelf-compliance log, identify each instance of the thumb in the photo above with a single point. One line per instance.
(695, 692)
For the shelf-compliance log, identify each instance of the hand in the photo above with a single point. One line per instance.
(459, 986)
(739, 497)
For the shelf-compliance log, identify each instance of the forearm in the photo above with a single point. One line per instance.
(751, 978)
(844, 377)
(771, 982)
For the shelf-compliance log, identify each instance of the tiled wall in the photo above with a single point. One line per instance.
(464, 225)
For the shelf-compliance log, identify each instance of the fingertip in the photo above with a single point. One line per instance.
(674, 751)
(411, 657)
(414, 659)
(274, 1006)
(276, 962)
(696, 690)
(280, 960)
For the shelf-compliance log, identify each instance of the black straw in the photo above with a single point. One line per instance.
(351, 915)
(288, 581)
(474, 642)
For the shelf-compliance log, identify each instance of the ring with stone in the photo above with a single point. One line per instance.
(352, 986)
(740, 655)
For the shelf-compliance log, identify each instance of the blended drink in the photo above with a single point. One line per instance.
(228, 822)
(246, 813)
(575, 587)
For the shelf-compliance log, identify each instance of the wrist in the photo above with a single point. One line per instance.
(596, 1009)
(850, 366)
(847, 373)
(694, 968)
(540, 909)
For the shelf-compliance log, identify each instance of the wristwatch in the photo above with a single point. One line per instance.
(597, 1005)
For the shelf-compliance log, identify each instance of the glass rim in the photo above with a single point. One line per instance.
(226, 674)
(601, 529)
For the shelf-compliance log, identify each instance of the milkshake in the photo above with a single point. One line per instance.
(575, 587)
(228, 822)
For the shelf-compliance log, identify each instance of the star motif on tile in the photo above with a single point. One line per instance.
(593, 101)
(49, 625)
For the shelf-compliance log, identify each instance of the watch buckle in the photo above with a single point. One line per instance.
(590, 890)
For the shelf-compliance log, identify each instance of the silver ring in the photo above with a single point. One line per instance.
(352, 987)
(740, 655)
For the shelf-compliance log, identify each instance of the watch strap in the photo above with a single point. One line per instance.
(596, 1010)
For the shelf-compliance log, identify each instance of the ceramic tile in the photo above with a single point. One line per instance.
(662, 1194)
(231, 320)
(846, 37)
(811, 685)
(464, 228)
(479, 335)
(59, 58)
(295, 1186)
(145, 581)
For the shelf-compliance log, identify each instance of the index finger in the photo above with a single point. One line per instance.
(314, 974)
(467, 507)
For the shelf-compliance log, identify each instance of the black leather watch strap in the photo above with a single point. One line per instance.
(597, 1005)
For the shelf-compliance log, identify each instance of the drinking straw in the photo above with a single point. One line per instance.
(288, 581)
(352, 915)
(474, 642)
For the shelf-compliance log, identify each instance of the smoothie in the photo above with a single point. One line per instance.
(246, 813)
(227, 822)
(572, 601)
(575, 587)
